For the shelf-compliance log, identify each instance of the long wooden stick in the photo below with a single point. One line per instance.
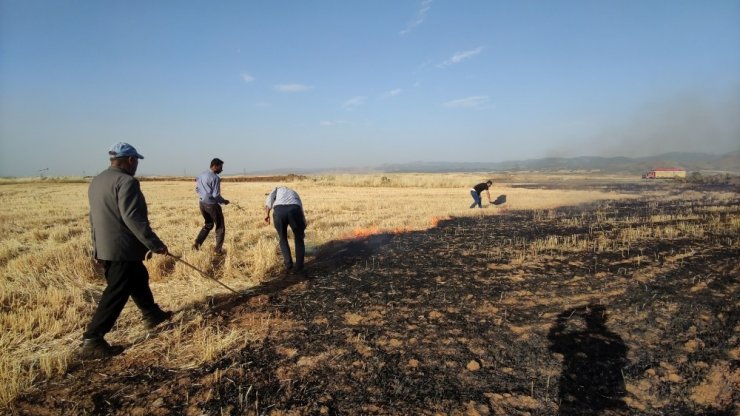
(202, 273)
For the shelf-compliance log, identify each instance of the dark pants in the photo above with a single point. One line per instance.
(125, 278)
(213, 215)
(476, 199)
(282, 217)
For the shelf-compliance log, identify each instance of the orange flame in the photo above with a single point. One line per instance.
(365, 232)
(374, 230)
(435, 220)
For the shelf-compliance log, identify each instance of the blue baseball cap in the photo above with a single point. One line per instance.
(122, 149)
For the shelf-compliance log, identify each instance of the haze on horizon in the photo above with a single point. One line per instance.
(268, 85)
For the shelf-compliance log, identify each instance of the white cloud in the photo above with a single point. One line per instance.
(477, 101)
(354, 102)
(461, 56)
(424, 7)
(293, 88)
(246, 77)
(329, 123)
(391, 93)
(423, 65)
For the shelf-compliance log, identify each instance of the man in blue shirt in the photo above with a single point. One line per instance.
(208, 187)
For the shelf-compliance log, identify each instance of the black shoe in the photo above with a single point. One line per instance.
(195, 246)
(96, 348)
(157, 318)
(218, 251)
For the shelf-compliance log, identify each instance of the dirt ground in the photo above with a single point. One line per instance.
(468, 318)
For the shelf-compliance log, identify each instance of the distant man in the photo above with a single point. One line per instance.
(476, 191)
(288, 211)
(208, 187)
(121, 237)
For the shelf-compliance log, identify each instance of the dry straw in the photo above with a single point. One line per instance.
(49, 287)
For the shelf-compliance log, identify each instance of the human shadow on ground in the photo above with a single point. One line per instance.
(593, 358)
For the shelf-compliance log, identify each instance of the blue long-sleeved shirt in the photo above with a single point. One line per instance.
(208, 187)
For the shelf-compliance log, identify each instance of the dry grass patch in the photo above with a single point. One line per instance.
(49, 287)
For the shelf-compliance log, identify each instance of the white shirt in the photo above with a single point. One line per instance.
(282, 196)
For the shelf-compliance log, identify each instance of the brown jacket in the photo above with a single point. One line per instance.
(119, 218)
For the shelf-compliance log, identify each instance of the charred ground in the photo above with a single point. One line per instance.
(620, 307)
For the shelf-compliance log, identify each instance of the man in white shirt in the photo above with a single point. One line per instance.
(288, 211)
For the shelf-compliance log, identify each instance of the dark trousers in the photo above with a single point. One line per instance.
(290, 215)
(125, 279)
(213, 215)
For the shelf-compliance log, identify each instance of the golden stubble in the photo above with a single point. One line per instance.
(49, 286)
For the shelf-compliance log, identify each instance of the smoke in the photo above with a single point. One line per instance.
(689, 122)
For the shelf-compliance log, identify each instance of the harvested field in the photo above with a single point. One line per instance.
(279, 178)
(615, 308)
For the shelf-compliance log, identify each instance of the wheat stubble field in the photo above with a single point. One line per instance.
(578, 296)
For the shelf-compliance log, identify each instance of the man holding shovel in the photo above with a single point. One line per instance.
(476, 191)
(121, 237)
(208, 187)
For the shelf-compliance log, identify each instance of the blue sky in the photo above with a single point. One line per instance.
(289, 85)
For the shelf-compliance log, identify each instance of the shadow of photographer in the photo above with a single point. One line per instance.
(593, 358)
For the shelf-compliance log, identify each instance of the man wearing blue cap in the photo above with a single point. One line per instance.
(121, 237)
(208, 188)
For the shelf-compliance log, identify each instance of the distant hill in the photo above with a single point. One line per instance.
(729, 162)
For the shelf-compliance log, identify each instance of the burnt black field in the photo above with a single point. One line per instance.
(477, 316)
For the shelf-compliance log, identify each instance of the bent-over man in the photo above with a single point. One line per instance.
(476, 191)
(288, 211)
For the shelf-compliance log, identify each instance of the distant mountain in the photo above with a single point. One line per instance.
(729, 162)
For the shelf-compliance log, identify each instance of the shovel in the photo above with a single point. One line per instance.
(501, 199)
